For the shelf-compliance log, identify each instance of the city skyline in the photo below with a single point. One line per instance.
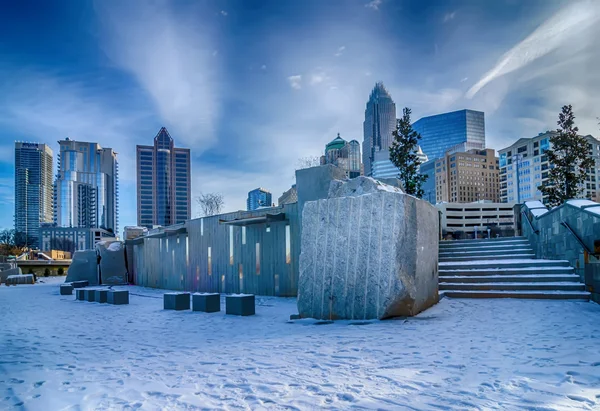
(104, 87)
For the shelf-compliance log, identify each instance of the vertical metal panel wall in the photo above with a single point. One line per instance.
(254, 262)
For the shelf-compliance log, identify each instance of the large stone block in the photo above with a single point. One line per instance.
(84, 266)
(80, 284)
(206, 302)
(176, 301)
(112, 266)
(80, 294)
(101, 296)
(368, 251)
(118, 297)
(66, 289)
(90, 295)
(240, 304)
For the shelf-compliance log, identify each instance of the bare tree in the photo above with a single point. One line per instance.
(307, 162)
(7, 237)
(210, 203)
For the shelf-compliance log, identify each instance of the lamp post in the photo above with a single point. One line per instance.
(517, 158)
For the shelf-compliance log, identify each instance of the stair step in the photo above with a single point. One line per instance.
(501, 264)
(530, 286)
(514, 256)
(460, 252)
(509, 271)
(545, 295)
(481, 243)
(485, 240)
(485, 248)
(552, 278)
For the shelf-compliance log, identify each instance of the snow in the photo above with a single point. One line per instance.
(534, 204)
(501, 262)
(581, 203)
(546, 267)
(594, 210)
(115, 246)
(479, 251)
(537, 212)
(58, 353)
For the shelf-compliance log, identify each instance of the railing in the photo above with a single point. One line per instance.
(530, 223)
(579, 240)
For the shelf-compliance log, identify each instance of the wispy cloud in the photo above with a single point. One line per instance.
(374, 4)
(449, 16)
(340, 51)
(7, 191)
(295, 81)
(223, 13)
(551, 35)
(170, 55)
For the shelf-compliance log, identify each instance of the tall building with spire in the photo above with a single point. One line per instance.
(380, 122)
(33, 190)
(163, 182)
(344, 154)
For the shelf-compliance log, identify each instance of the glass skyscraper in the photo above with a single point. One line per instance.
(380, 122)
(163, 182)
(441, 132)
(258, 198)
(33, 189)
(87, 186)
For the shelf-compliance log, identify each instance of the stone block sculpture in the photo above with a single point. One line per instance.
(240, 304)
(84, 266)
(206, 302)
(369, 251)
(80, 294)
(118, 297)
(101, 296)
(90, 295)
(66, 289)
(176, 301)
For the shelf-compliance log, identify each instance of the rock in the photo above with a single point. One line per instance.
(20, 279)
(7, 271)
(80, 284)
(368, 252)
(240, 304)
(90, 295)
(66, 289)
(80, 294)
(113, 270)
(101, 296)
(118, 297)
(84, 266)
(176, 301)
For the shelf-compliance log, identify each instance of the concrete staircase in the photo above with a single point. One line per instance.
(504, 268)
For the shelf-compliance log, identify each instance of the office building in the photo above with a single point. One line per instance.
(383, 168)
(428, 186)
(441, 132)
(258, 198)
(288, 197)
(525, 159)
(379, 124)
(87, 186)
(478, 216)
(163, 182)
(467, 177)
(344, 154)
(72, 239)
(33, 190)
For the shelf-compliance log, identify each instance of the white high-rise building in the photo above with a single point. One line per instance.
(525, 159)
(379, 124)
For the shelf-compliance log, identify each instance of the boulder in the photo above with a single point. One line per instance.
(369, 251)
(84, 266)
(112, 262)
(20, 279)
(4, 274)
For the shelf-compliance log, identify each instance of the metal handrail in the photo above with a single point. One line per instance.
(579, 240)
(530, 224)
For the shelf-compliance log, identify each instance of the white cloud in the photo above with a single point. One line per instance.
(224, 13)
(340, 51)
(263, 67)
(551, 35)
(449, 16)
(170, 55)
(317, 78)
(374, 4)
(295, 81)
(464, 79)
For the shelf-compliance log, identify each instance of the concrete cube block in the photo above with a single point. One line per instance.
(66, 289)
(118, 297)
(240, 304)
(101, 296)
(207, 302)
(80, 294)
(90, 295)
(177, 301)
(80, 284)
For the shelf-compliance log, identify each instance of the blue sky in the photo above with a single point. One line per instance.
(251, 86)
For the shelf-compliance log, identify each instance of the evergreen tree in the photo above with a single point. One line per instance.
(403, 154)
(569, 161)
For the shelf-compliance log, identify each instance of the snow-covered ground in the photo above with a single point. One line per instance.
(57, 353)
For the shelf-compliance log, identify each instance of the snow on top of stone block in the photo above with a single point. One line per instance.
(534, 204)
(115, 246)
(538, 211)
(581, 203)
(359, 186)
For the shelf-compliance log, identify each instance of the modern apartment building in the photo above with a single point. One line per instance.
(524, 167)
(163, 182)
(86, 190)
(33, 189)
(72, 239)
(258, 198)
(441, 132)
(467, 177)
(379, 124)
(344, 154)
